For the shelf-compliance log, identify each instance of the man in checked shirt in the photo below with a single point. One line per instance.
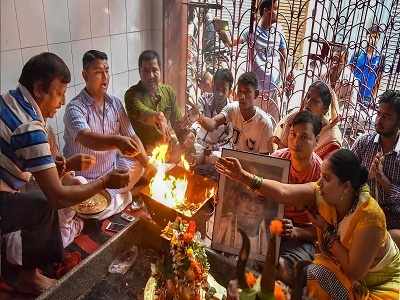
(380, 152)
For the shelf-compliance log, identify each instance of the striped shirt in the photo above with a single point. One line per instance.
(365, 148)
(24, 142)
(295, 177)
(266, 54)
(82, 113)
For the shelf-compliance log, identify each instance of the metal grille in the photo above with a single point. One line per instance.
(312, 30)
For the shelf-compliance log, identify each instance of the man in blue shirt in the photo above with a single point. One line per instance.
(96, 123)
(269, 51)
(25, 151)
(367, 65)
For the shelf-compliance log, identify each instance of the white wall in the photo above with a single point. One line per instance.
(121, 28)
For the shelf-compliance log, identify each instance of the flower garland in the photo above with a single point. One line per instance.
(183, 273)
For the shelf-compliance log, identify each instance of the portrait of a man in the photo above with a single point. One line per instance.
(239, 207)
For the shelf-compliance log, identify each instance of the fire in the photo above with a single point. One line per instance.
(185, 163)
(210, 193)
(164, 188)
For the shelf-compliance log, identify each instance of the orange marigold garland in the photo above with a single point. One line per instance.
(186, 264)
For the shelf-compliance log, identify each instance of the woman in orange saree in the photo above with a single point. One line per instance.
(358, 258)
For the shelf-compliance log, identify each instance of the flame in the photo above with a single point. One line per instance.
(185, 163)
(164, 188)
(210, 193)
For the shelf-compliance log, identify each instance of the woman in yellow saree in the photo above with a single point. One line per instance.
(358, 258)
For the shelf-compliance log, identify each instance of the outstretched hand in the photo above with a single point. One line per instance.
(161, 124)
(230, 167)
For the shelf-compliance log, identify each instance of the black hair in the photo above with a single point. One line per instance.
(374, 28)
(265, 4)
(44, 68)
(91, 56)
(347, 167)
(340, 49)
(391, 97)
(149, 55)
(224, 75)
(248, 78)
(190, 14)
(304, 117)
(324, 92)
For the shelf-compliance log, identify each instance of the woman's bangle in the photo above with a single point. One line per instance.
(256, 182)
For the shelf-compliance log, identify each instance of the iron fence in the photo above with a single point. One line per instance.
(315, 33)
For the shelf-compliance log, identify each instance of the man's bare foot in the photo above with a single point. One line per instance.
(33, 282)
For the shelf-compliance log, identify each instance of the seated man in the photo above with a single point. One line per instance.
(24, 152)
(152, 107)
(299, 235)
(97, 124)
(321, 101)
(70, 224)
(252, 127)
(211, 105)
(379, 152)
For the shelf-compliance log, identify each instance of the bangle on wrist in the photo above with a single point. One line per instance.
(256, 182)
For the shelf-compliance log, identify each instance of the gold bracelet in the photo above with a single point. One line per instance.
(256, 182)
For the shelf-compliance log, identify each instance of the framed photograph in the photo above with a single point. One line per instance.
(240, 207)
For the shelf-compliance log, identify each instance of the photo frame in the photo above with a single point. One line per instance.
(240, 207)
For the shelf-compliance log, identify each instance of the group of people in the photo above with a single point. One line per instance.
(338, 202)
(354, 76)
(341, 200)
(106, 151)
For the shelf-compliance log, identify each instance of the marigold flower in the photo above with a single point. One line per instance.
(279, 294)
(189, 252)
(250, 279)
(188, 237)
(192, 227)
(196, 267)
(276, 227)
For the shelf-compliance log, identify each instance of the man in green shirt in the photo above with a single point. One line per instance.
(152, 107)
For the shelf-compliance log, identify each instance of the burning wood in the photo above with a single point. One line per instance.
(177, 187)
(164, 188)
